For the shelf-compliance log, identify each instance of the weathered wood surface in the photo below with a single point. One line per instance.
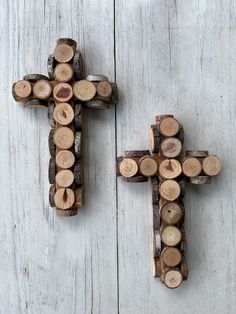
(173, 57)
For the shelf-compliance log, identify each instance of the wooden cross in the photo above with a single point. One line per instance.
(65, 93)
(169, 172)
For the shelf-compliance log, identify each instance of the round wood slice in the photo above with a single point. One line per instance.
(63, 72)
(63, 113)
(35, 103)
(192, 167)
(78, 145)
(79, 197)
(51, 66)
(64, 198)
(63, 137)
(42, 89)
(156, 243)
(51, 106)
(63, 53)
(155, 190)
(184, 268)
(173, 278)
(200, 180)
(67, 41)
(154, 138)
(67, 212)
(52, 170)
(52, 192)
(78, 117)
(65, 159)
(64, 178)
(211, 165)
(51, 145)
(156, 267)
(104, 89)
(136, 153)
(136, 179)
(21, 89)
(171, 236)
(148, 166)
(159, 118)
(171, 256)
(96, 77)
(197, 153)
(170, 190)
(171, 147)
(78, 66)
(62, 92)
(98, 104)
(78, 172)
(169, 127)
(84, 90)
(128, 167)
(171, 213)
(170, 169)
(35, 77)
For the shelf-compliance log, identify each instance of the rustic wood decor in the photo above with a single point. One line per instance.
(169, 171)
(65, 94)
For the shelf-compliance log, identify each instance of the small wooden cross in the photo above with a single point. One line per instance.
(169, 172)
(65, 93)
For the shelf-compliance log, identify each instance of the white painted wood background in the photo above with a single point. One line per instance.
(168, 56)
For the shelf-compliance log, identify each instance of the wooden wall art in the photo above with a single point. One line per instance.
(169, 171)
(65, 94)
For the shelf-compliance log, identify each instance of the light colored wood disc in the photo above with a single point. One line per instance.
(63, 137)
(171, 236)
(170, 169)
(65, 159)
(171, 147)
(63, 113)
(173, 278)
(63, 53)
(42, 89)
(171, 256)
(62, 92)
(84, 90)
(154, 138)
(148, 166)
(104, 89)
(171, 213)
(159, 118)
(128, 167)
(79, 197)
(192, 167)
(169, 127)
(63, 72)
(64, 178)
(67, 213)
(64, 198)
(22, 89)
(211, 165)
(170, 190)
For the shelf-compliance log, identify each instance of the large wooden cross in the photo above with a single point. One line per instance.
(169, 172)
(65, 93)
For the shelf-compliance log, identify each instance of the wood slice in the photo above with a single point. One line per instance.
(35, 77)
(98, 104)
(51, 63)
(84, 90)
(78, 117)
(78, 145)
(156, 243)
(62, 92)
(148, 166)
(156, 217)
(156, 267)
(51, 145)
(63, 53)
(42, 89)
(137, 153)
(197, 153)
(78, 172)
(67, 212)
(171, 147)
(184, 268)
(170, 190)
(64, 178)
(67, 41)
(171, 256)
(52, 192)
(65, 159)
(21, 89)
(118, 160)
(128, 167)
(211, 165)
(136, 179)
(171, 236)
(64, 198)
(63, 72)
(159, 118)
(173, 278)
(52, 170)
(155, 190)
(35, 103)
(170, 169)
(169, 127)
(96, 77)
(104, 89)
(51, 106)
(200, 180)
(154, 138)
(63, 137)
(78, 66)
(171, 213)
(63, 113)
(192, 167)
(79, 197)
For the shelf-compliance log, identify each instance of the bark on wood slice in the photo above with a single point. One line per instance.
(114, 97)
(104, 89)
(78, 145)
(148, 166)
(136, 179)
(21, 89)
(51, 106)
(64, 178)
(52, 192)
(63, 53)
(171, 213)
(170, 190)
(183, 246)
(118, 160)
(78, 66)
(197, 153)
(156, 243)
(171, 147)
(63, 113)
(170, 169)
(35, 103)
(51, 145)
(171, 256)
(184, 268)
(180, 135)
(78, 172)
(156, 267)
(62, 92)
(128, 167)
(156, 217)
(200, 180)
(78, 117)
(63, 72)
(67, 41)
(192, 167)
(52, 170)
(173, 278)
(159, 118)
(171, 236)
(42, 89)
(169, 127)
(67, 212)
(211, 165)
(84, 90)
(35, 77)
(154, 138)
(96, 77)
(155, 190)
(65, 159)
(51, 66)
(136, 153)
(98, 104)
(64, 198)
(63, 137)
(79, 197)
(182, 184)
